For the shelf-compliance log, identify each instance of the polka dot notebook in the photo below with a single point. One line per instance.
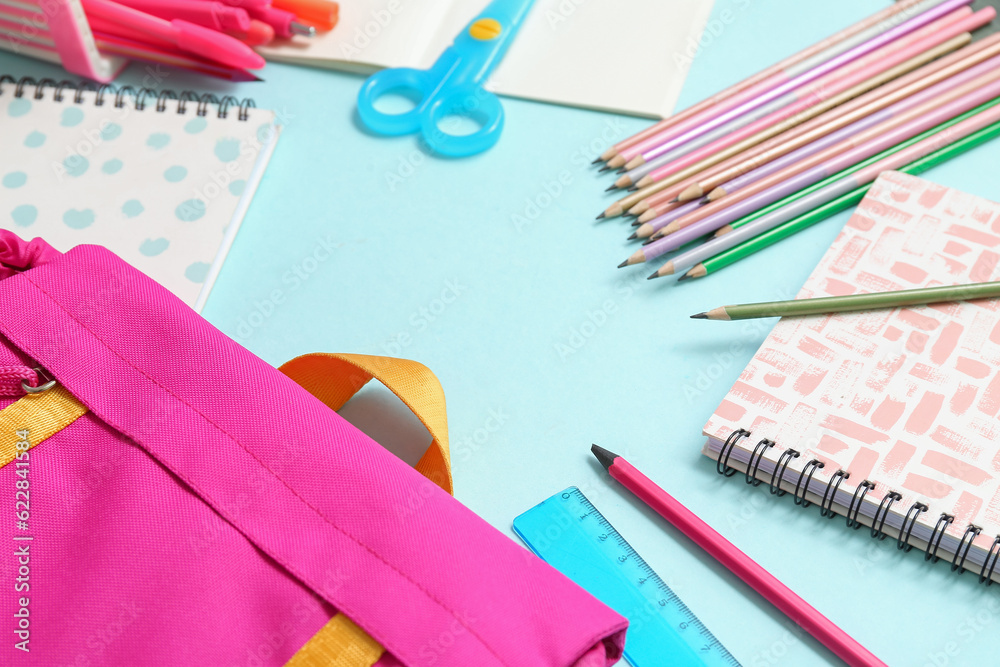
(887, 417)
(162, 182)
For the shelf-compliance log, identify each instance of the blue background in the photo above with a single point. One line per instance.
(492, 272)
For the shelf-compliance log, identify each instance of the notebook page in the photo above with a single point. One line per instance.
(166, 191)
(906, 398)
(558, 40)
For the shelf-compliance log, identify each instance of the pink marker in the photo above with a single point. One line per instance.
(183, 34)
(214, 15)
(781, 596)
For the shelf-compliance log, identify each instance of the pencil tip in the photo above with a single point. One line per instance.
(636, 223)
(633, 188)
(599, 217)
(611, 187)
(648, 241)
(654, 274)
(596, 160)
(634, 236)
(603, 169)
(623, 264)
(699, 316)
(676, 199)
(605, 457)
(621, 170)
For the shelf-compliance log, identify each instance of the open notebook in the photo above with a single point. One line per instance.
(162, 182)
(905, 399)
(617, 43)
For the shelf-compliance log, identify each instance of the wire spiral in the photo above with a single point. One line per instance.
(139, 98)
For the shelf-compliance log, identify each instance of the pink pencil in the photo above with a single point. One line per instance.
(777, 70)
(781, 596)
(901, 50)
(861, 146)
(739, 105)
(879, 98)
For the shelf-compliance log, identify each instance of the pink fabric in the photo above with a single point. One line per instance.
(208, 511)
(16, 255)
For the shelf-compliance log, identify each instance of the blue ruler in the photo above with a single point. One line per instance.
(568, 533)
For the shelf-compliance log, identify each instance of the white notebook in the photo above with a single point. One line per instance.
(162, 183)
(905, 399)
(627, 56)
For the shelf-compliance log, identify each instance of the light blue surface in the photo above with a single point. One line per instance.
(491, 271)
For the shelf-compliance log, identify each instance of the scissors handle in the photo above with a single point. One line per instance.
(417, 83)
(472, 101)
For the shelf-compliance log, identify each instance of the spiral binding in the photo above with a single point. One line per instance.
(802, 484)
(139, 97)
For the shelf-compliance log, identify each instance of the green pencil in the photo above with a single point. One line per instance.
(839, 304)
(795, 196)
(772, 236)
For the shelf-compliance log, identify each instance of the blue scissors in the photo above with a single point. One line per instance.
(452, 86)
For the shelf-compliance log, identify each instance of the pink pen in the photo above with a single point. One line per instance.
(819, 626)
(214, 15)
(183, 34)
(284, 23)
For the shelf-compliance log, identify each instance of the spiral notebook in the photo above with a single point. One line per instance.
(163, 180)
(887, 417)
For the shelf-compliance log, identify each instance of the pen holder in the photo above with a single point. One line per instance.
(55, 31)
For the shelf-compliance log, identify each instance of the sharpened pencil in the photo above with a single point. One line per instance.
(834, 47)
(795, 225)
(853, 302)
(951, 134)
(809, 100)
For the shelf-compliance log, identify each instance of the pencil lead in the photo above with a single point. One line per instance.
(611, 187)
(699, 316)
(636, 223)
(623, 264)
(603, 169)
(634, 236)
(596, 160)
(675, 199)
(633, 188)
(705, 200)
(655, 274)
(599, 217)
(621, 170)
(648, 241)
(605, 457)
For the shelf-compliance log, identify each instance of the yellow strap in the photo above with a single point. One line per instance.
(41, 415)
(339, 643)
(333, 379)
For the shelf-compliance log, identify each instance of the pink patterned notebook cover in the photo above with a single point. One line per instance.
(906, 398)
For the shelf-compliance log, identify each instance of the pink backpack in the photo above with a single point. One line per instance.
(171, 499)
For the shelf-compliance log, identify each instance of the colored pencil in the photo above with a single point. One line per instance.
(949, 135)
(866, 121)
(801, 104)
(759, 99)
(854, 110)
(784, 71)
(777, 69)
(798, 610)
(766, 239)
(662, 191)
(827, 305)
(864, 144)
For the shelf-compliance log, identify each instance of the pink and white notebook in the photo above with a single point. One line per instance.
(904, 401)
